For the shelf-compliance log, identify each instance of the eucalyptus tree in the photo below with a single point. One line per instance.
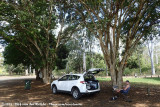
(30, 27)
(115, 20)
(151, 42)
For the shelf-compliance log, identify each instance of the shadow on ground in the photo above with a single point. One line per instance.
(12, 92)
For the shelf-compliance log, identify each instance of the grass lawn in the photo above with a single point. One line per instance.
(151, 81)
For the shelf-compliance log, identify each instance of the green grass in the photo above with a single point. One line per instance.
(150, 81)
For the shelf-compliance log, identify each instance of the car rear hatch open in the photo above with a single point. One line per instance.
(94, 70)
(91, 82)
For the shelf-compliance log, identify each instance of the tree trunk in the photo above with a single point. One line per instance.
(46, 75)
(10, 72)
(33, 71)
(156, 57)
(116, 77)
(106, 70)
(26, 72)
(151, 52)
(140, 70)
(84, 61)
(84, 52)
(67, 70)
(92, 60)
(29, 69)
(37, 74)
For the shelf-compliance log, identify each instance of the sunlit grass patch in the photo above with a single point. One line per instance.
(154, 80)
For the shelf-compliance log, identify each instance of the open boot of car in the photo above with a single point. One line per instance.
(91, 83)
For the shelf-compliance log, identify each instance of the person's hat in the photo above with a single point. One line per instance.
(127, 80)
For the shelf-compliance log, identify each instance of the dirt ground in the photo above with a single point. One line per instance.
(13, 94)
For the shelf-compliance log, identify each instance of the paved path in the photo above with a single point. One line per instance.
(6, 78)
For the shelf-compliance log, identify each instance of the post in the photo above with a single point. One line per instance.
(33, 71)
(148, 91)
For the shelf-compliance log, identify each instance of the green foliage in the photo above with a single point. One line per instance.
(132, 62)
(30, 34)
(11, 69)
(62, 54)
(14, 56)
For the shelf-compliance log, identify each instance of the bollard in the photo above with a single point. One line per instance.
(148, 91)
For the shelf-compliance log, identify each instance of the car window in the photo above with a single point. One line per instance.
(69, 77)
(89, 77)
(75, 77)
(64, 78)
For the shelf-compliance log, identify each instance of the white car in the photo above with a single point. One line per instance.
(77, 84)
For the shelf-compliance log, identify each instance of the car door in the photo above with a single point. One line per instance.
(69, 83)
(72, 81)
(62, 83)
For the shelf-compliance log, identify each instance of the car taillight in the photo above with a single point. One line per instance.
(83, 82)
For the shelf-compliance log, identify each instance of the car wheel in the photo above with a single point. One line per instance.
(76, 93)
(54, 89)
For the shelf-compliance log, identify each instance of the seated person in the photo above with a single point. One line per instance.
(126, 89)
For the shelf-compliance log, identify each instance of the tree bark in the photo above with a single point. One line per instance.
(116, 77)
(151, 53)
(37, 74)
(106, 70)
(46, 75)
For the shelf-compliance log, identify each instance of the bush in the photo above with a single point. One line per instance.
(14, 69)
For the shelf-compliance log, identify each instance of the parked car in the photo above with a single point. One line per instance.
(77, 84)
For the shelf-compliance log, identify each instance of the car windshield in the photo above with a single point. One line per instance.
(89, 77)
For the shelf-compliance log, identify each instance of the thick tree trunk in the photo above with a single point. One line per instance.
(116, 77)
(46, 75)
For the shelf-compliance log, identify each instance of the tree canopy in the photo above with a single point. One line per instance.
(119, 25)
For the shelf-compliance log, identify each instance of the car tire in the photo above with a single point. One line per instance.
(54, 89)
(76, 93)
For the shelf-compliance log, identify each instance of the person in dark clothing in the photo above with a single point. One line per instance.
(123, 91)
(126, 89)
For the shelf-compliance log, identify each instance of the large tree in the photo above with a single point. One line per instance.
(30, 26)
(118, 24)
